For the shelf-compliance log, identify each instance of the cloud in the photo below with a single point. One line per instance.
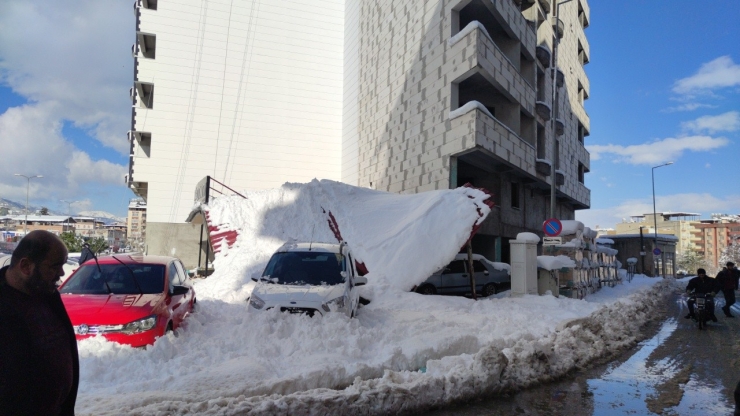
(73, 58)
(699, 203)
(35, 146)
(729, 121)
(687, 107)
(719, 73)
(658, 151)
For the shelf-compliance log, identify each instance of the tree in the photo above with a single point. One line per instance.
(44, 211)
(730, 253)
(690, 261)
(97, 244)
(72, 241)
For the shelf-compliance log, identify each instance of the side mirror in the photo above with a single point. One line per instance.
(343, 274)
(360, 281)
(180, 290)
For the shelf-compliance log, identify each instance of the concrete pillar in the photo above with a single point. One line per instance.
(524, 264)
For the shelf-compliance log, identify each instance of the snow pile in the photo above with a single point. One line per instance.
(555, 262)
(571, 227)
(402, 239)
(404, 351)
(528, 238)
(466, 30)
(469, 106)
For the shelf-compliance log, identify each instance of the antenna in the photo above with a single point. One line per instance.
(310, 244)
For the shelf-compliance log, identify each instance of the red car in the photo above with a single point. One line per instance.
(129, 299)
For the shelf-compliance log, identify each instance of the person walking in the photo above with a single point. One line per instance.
(39, 363)
(728, 281)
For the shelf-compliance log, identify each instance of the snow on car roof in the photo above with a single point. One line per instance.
(325, 247)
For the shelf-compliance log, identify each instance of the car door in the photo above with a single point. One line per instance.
(455, 278)
(482, 275)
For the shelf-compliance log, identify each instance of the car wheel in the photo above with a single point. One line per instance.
(427, 290)
(490, 289)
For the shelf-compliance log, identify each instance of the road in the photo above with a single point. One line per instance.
(676, 370)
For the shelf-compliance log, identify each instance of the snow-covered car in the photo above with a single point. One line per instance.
(309, 278)
(454, 279)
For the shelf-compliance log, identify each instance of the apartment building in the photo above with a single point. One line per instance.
(136, 222)
(443, 93)
(402, 96)
(248, 92)
(679, 224)
(714, 235)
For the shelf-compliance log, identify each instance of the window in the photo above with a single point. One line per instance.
(147, 4)
(145, 94)
(181, 272)
(147, 44)
(478, 266)
(515, 195)
(581, 172)
(173, 277)
(457, 266)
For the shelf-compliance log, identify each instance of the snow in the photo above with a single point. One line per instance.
(528, 238)
(469, 106)
(556, 262)
(603, 240)
(404, 351)
(571, 227)
(466, 30)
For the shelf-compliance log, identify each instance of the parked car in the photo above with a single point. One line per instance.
(309, 278)
(454, 279)
(128, 299)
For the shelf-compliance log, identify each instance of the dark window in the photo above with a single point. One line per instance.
(173, 276)
(457, 266)
(478, 266)
(515, 195)
(305, 268)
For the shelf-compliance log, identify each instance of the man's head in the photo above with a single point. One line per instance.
(701, 272)
(37, 263)
(730, 265)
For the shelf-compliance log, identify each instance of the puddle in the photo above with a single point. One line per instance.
(701, 399)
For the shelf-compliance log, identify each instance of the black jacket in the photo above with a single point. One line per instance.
(706, 285)
(19, 363)
(728, 278)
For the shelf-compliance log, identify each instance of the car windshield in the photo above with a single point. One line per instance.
(117, 279)
(306, 268)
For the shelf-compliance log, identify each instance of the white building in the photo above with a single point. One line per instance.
(248, 92)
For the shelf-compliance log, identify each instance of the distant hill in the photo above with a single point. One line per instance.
(16, 208)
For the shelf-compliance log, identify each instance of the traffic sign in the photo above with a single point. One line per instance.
(552, 227)
(657, 251)
(552, 241)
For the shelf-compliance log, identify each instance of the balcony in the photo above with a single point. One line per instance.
(543, 110)
(559, 78)
(543, 55)
(543, 167)
(559, 127)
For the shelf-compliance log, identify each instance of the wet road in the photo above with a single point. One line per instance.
(676, 370)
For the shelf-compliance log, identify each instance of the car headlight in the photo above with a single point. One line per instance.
(337, 303)
(256, 302)
(141, 325)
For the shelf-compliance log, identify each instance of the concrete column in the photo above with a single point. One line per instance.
(524, 264)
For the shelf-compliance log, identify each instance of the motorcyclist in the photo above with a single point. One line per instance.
(702, 284)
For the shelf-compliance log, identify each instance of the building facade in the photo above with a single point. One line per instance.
(713, 236)
(136, 223)
(401, 96)
(678, 224)
(443, 93)
(247, 92)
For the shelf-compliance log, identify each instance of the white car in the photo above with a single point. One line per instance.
(309, 278)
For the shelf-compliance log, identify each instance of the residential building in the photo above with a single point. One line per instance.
(714, 235)
(247, 92)
(402, 96)
(447, 92)
(115, 235)
(56, 224)
(679, 224)
(136, 223)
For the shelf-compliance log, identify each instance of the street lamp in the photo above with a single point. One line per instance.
(655, 215)
(555, 109)
(28, 185)
(69, 208)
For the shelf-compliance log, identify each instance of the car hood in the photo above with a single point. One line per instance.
(111, 309)
(270, 292)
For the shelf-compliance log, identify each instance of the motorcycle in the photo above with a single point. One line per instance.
(702, 307)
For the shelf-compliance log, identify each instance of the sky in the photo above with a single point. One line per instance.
(665, 87)
(402, 349)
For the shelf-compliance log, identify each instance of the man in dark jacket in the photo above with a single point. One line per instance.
(39, 365)
(728, 281)
(702, 284)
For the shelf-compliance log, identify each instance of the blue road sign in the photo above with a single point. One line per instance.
(657, 251)
(552, 227)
